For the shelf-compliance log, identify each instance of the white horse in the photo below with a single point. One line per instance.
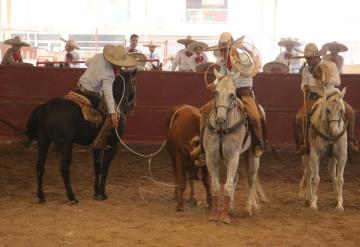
(226, 137)
(327, 135)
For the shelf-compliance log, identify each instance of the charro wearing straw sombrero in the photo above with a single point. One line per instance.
(248, 67)
(184, 58)
(286, 56)
(153, 55)
(318, 76)
(13, 55)
(335, 48)
(71, 55)
(198, 48)
(99, 78)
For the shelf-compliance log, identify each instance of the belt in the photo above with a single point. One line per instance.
(82, 89)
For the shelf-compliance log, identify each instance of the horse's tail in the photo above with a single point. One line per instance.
(33, 122)
(259, 195)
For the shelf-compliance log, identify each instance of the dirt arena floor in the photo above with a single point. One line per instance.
(125, 219)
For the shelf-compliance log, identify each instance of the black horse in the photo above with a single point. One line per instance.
(60, 121)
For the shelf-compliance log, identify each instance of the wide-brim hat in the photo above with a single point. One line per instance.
(186, 41)
(276, 68)
(119, 56)
(139, 56)
(341, 47)
(15, 41)
(311, 50)
(195, 44)
(289, 41)
(70, 42)
(151, 44)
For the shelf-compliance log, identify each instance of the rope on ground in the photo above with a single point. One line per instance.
(149, 156)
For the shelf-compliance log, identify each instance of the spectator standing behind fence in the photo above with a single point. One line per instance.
(333, 56)
(184, 59)
(71, 55)
(133, 47)
(153, 55)
(13, 55)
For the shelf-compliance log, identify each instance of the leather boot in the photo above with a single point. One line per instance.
(215, 212)
(225, 214)
(100, 141)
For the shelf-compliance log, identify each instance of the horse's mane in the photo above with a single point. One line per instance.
(319, 106)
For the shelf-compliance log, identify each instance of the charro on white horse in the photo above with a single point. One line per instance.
(226, 137)
(327, 135)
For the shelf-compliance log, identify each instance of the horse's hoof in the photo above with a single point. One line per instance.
(193, 202)
(339, 209)
(225, 218)
(307, 203)
(41, 200)
(101, 197)
(180, 208)
(248, 212)
(314, 207)
(74, 202)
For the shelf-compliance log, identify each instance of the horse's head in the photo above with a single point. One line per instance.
(124, 90)
(335, 110)
(225, 96)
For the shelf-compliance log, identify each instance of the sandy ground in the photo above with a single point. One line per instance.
(126, 220)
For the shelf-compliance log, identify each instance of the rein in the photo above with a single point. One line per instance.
(327, 137)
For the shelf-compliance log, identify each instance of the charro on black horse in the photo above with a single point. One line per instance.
(61, 121)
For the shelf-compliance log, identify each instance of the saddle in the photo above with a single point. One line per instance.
(90, 114)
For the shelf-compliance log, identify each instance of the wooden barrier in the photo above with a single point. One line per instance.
(21, 89)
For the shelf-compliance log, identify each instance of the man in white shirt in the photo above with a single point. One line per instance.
(133, 47)
(313, 76)
(333, 56)
(184, 59)
(98, 80)
(153, 55)
(198, 48)
(287, 57)
(71, 55)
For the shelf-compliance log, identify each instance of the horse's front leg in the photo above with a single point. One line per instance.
(65, 160)
(97, 156)
(231, 167)
(253, 167)
(105, 164)
(315, 178)
(206, 183)
(340, 179)
(213, 169)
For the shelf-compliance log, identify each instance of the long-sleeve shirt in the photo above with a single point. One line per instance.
(99, 78)
(286, 58)
(241, 81)
(75, 58)
(331, 78)
(184, 62)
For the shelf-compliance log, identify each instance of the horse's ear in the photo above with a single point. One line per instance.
(342, 93)
(134, 72)
(217, 74)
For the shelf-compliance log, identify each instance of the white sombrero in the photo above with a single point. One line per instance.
(119, 56)
(195, 44)
(151, 44)
(311, 50)
(341, 47)
(276, 68)
(289, 41)
(15, 41)
(70, 42)
(186, 41)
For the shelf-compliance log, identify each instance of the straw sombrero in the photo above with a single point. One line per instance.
(118, 55)
(341, 47)
(225, 40)
(276, 68)
(186, 41)
(289, 41)
(15, 41)
(195, 44)
(70, 42)
(311, 50)
(139, 56)
(151, 44)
